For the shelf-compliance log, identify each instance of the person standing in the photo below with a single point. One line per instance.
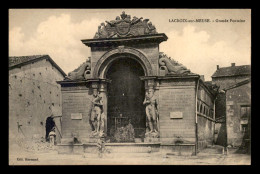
(52, 137)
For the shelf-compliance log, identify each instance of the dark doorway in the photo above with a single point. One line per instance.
(125, 97)
(49, 125)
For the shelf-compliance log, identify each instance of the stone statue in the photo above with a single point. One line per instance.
(136, 20)
(173, 67)
(102, 32)
(151, 111)
(123, 15)
(151, 27)
(102, 124)
(96, 113)
(113, 22)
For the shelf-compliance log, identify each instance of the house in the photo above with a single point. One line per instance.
(233, 104)
(34, 96)
(227, 76)
(238, 113)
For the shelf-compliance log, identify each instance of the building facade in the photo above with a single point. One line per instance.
(238, 113)
(167, 106)
(34, 96)
(233, 104)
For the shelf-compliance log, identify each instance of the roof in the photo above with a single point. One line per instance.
(208, 83)
(213, 89)
(238, 84)
(19, 61)
(233, 71)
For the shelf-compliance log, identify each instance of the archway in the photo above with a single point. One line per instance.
(125, 96)
(104, 62)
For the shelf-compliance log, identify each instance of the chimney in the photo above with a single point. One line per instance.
(202, 78)
(217, 67)
(233, 64)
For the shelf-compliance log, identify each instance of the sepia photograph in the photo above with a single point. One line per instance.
(141, 86)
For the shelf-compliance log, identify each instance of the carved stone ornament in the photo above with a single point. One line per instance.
(125, 26)
(173, 67)
(121, 49)
(81, 72)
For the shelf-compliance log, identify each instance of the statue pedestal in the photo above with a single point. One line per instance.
(151, 140)
(94, 136)
(151, 137)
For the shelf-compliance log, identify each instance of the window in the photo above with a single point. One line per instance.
(244, 128)
(244, 116)
(244, 112)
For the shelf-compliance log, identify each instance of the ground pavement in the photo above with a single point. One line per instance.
(208, 156)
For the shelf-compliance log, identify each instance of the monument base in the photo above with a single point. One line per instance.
(151, 140)
(111, 147)
(152, 137)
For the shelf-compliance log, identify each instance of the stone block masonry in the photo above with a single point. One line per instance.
(180, 101)
(76, 102)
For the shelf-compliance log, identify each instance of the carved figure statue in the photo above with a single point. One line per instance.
(123, 15)
(96, 112)
(172, 66)
(102, 124)
(113, 22)
(128, 18)
(96, 35)
(102, 31)
(78, 74)
(152, 29)
(151, 110)
(136, 20)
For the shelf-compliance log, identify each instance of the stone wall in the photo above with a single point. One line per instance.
(177, 100)
(235, 98)
(205, 116)
(205, 132)
(33, 96)
(225, 82)
(76, 100)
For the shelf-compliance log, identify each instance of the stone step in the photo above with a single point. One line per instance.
(118, 155)
(111, 147)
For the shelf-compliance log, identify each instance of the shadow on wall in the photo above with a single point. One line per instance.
(245, 145)
(222, 135)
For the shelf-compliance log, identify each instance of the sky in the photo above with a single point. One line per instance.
(199, 46)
